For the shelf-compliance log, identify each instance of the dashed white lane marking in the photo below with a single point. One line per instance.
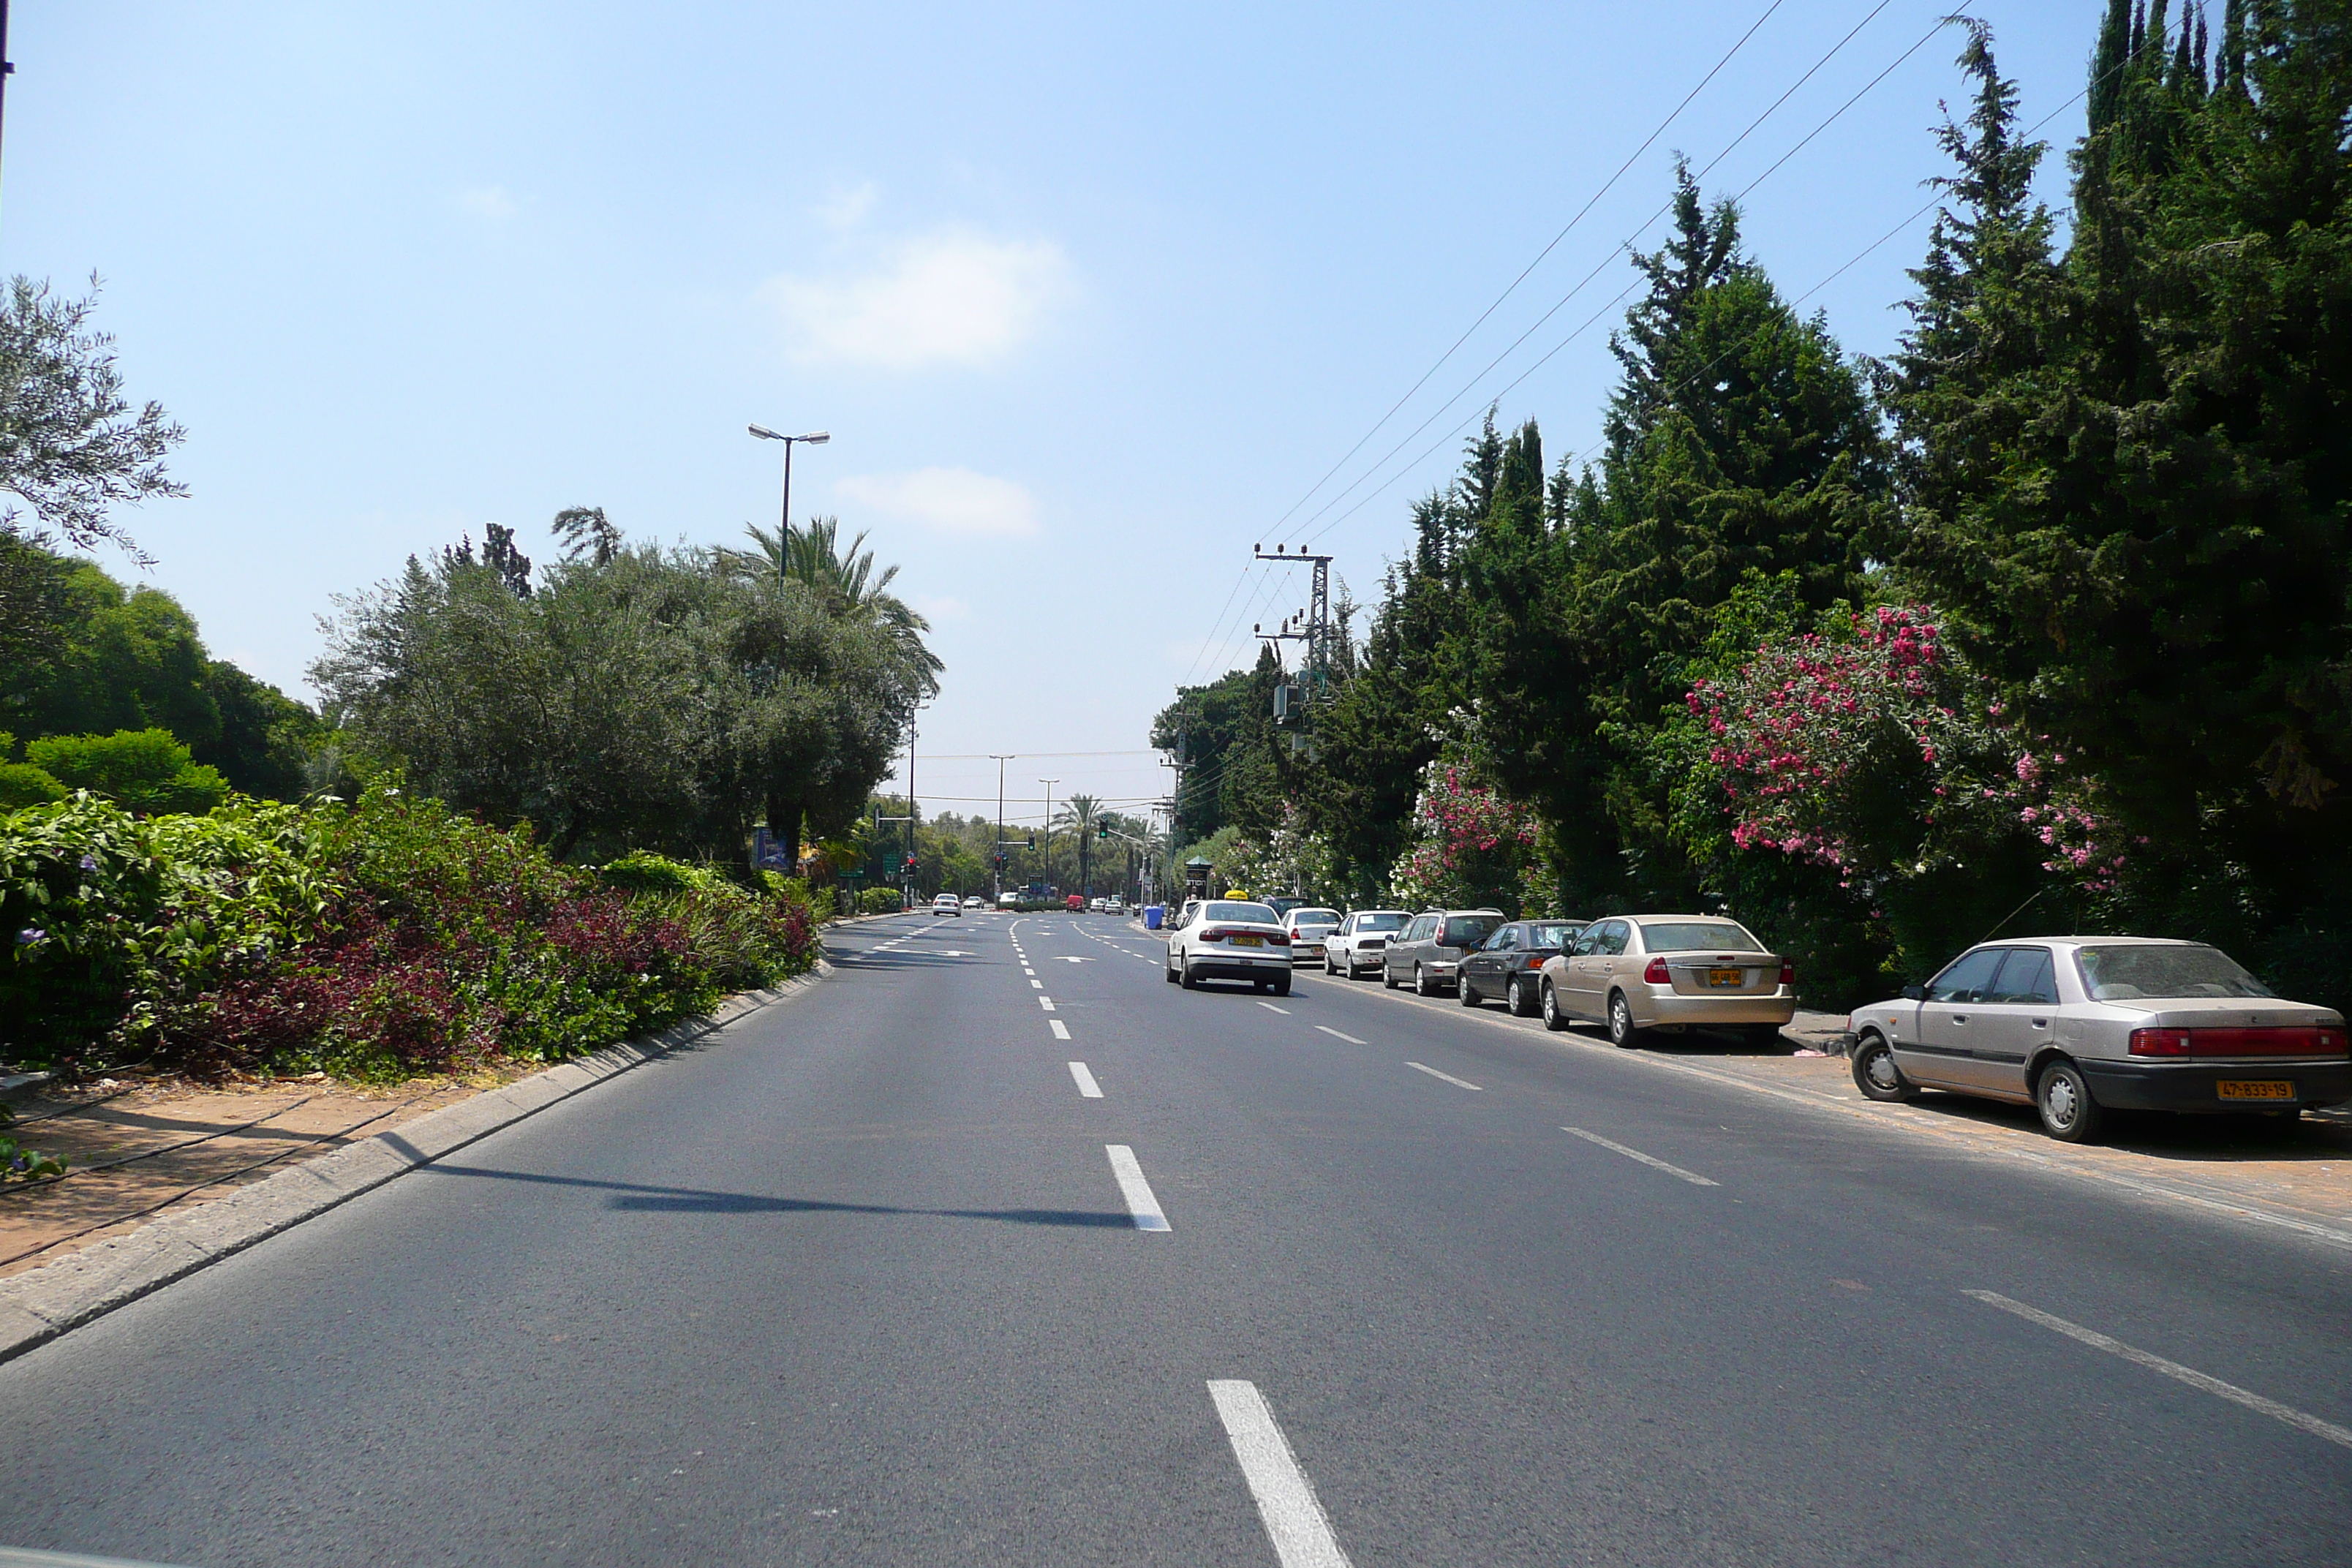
(1271, 1009)
(1047, 1003)
(2171, 1369)
(1061, 1030)
(1037, 986)
(1088, 1088)
(1456, 1082)
(1337, 1035)
(1652, 1161)
(1135, 1189)
(1294, 1516)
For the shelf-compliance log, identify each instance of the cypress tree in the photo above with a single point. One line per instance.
(2108, 59)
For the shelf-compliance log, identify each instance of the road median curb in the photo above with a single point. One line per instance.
(43, 1303)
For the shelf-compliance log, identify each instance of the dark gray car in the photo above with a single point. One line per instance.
(1430, 951)
(1509, 965)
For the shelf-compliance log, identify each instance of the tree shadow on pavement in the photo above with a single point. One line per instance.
(631, 1197)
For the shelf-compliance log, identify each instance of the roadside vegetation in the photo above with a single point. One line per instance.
(2039, 622)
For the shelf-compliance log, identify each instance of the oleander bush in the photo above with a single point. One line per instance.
(383, 937)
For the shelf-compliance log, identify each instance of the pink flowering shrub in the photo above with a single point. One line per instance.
(1470, 846)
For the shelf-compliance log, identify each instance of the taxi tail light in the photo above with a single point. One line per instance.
(1788, 971)
(1278, 938)
(1654, 974)
(1215, 933)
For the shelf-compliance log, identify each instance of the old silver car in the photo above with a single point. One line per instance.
(1638, 973)
(2078, 1025)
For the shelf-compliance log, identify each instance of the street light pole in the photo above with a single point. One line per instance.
(813, 438)
(1049, 784)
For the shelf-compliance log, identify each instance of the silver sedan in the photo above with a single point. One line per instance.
(2080, 1026)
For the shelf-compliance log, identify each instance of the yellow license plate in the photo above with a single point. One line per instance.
(2254, 1089)
(1249, 942)
(1727, 977)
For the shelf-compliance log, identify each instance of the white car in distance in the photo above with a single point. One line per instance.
(1361, 940)
(946, 904)
(1308, 928)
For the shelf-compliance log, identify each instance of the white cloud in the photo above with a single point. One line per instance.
(847, 209)
(954, 298)
(487, 201)
(952, 500)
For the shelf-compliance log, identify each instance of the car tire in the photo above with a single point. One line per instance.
(1876, 1074)
(1548, 1005)
(1185, 978)
(2069, 1113)
(1387, 975)
(1622, 1032)
(1421, 985)
(1282, 986)
(1515, 998)
(1168, 973)
(1329, 967)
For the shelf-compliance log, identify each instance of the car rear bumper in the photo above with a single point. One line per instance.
(1668, 1010)
(1307, 951)
(1236, 967)
(2195, 1085)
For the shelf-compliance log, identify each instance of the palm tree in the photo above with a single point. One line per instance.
(844, 579)
(1081, 816)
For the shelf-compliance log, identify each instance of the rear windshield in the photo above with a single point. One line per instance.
(2129, 973)
(1550, 935)
(1464, 931)
(1258, 912)
(1690, 936)
(1380, 923)
(1315, 917)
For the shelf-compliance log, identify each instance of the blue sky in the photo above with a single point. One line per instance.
(1089, 296)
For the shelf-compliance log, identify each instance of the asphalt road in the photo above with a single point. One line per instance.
(865, 1280)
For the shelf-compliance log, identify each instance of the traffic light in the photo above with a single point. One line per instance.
(1102, 830)
(1033, 841)
(910, 861)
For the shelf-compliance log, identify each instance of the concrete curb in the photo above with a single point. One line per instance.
(43, 1303)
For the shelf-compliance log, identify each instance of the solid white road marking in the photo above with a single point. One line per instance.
(1456, 1082)
(1047, 1003)
(1294, 1517)
(1337, 1035)
(1650, 1159)
(1135, 1189)
(2171, 1369)
(1088, 1088)
(1061, 1030)
(1271, 1009)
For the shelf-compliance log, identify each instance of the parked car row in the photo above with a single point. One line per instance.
(2076, 1026)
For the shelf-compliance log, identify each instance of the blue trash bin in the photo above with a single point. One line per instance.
(1152, 915)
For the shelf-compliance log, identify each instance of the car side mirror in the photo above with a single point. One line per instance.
(1915, 993)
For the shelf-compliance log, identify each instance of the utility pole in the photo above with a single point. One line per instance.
(913, 811)
(996, 856)
(1049, 784)
(1311, 625)
(7, 67)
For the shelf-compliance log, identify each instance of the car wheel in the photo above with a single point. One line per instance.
(1329, 967)
(1876, 1074)
(1282, 986)
(1387, 975)
(1515, 998)
(1168, 973)
(1622, 1032)
(1185, 979)
(2068, 1113)
(1421, 985)
(1465, 991)
(1549, 1005)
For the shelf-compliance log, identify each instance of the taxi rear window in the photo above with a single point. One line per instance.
(1261, 913)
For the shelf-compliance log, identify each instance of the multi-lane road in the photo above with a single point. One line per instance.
(995, 1248)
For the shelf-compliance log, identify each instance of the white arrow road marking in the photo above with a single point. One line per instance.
(2171, 1369)
(1652, 1161)
(1135, 1189)
(1456, 1082)
(1294, 1516)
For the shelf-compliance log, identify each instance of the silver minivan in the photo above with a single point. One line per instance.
(2078, 1025)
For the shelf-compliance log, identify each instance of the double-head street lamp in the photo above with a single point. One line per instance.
(813, 438)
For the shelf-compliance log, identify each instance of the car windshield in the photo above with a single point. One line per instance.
(1380, 923)
(1690, 936)
(1468, 930)
(1551, 934)
(2129, 973)
(1258, 912)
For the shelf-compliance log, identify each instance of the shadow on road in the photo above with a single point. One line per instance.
(632, 1198)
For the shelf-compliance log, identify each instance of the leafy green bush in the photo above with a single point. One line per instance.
(23, 785)
(379, 938)
(146, 771)
(645, 872)
(879, 901)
